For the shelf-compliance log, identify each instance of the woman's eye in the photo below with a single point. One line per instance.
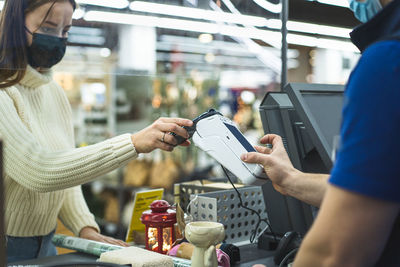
(48, 30)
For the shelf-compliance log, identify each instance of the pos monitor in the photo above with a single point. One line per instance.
(308, 118)
(319, 107)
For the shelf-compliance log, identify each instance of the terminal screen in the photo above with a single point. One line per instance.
(326, 108)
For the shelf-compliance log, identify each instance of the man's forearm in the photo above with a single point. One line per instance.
(350, 230)
(307, 187)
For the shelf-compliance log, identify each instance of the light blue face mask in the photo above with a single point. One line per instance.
(364, 11)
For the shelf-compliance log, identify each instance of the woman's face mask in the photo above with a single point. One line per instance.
(364, 11)
(46, 50)
(47, 30)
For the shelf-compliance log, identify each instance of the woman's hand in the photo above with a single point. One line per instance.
(275, 161)
(157, 135)
(92, 234)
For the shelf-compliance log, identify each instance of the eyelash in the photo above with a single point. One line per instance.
(47, 30)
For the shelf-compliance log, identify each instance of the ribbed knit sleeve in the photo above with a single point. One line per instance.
(74, 212)
(41, 170)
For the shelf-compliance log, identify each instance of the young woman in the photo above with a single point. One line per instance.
(43, 169)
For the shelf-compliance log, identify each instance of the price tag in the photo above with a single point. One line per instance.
(141, 203)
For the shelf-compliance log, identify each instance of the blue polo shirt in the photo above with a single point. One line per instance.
(368, 160)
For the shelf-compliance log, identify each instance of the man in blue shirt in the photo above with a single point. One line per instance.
(361, 200)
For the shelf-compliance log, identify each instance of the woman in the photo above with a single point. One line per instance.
(43, 170)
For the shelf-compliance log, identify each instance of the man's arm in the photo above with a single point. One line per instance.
(307, 187)
(350, 230)
(287, 180)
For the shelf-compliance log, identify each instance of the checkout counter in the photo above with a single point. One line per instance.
(250, 255)
(235, 230)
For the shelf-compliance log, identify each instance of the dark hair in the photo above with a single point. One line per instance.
(13, 42)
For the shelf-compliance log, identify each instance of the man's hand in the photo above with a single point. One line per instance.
(276, 161)
(308, 187)
(92, 234)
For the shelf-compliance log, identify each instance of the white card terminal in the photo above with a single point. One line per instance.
(221, 139)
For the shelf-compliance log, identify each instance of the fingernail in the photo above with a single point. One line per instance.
(244, 157)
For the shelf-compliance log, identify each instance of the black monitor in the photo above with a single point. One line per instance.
(307, 117)
(319, 107)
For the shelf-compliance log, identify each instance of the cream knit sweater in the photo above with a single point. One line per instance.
(43, 169)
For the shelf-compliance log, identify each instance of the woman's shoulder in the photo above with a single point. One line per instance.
(56, 89)
(9, 93)
(59, 93)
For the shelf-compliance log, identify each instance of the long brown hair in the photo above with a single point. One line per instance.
(13, 42)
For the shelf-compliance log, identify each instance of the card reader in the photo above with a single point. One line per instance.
(219, 137)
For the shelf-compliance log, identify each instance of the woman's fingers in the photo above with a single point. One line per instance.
(117, 242)
(158, 135)
(179, 121)
(172, 127)
(164, 146)
(186, 143)
(113, 241)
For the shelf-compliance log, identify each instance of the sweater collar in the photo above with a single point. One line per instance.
(383, 25)
(34, 79)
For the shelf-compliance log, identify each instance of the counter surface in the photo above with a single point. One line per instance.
(249, 254)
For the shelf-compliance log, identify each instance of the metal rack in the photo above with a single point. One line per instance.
(224, 207)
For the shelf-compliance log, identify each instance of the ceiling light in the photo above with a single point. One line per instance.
(1, 5)
(120, 4)
(176, 24)
(205, 38)
(192, 45)
(318, 29)
(268, 58)
(179, 24)
(105, 52)
(196, 13)
(209, 57)
(321, 42)
(268, 36)
(304, 27)
(274, 8)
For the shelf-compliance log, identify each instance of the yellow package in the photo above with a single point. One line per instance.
(141, 203)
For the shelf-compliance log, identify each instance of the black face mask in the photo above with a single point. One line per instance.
(46, 50)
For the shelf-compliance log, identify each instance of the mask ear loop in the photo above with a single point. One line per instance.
(26, 29)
